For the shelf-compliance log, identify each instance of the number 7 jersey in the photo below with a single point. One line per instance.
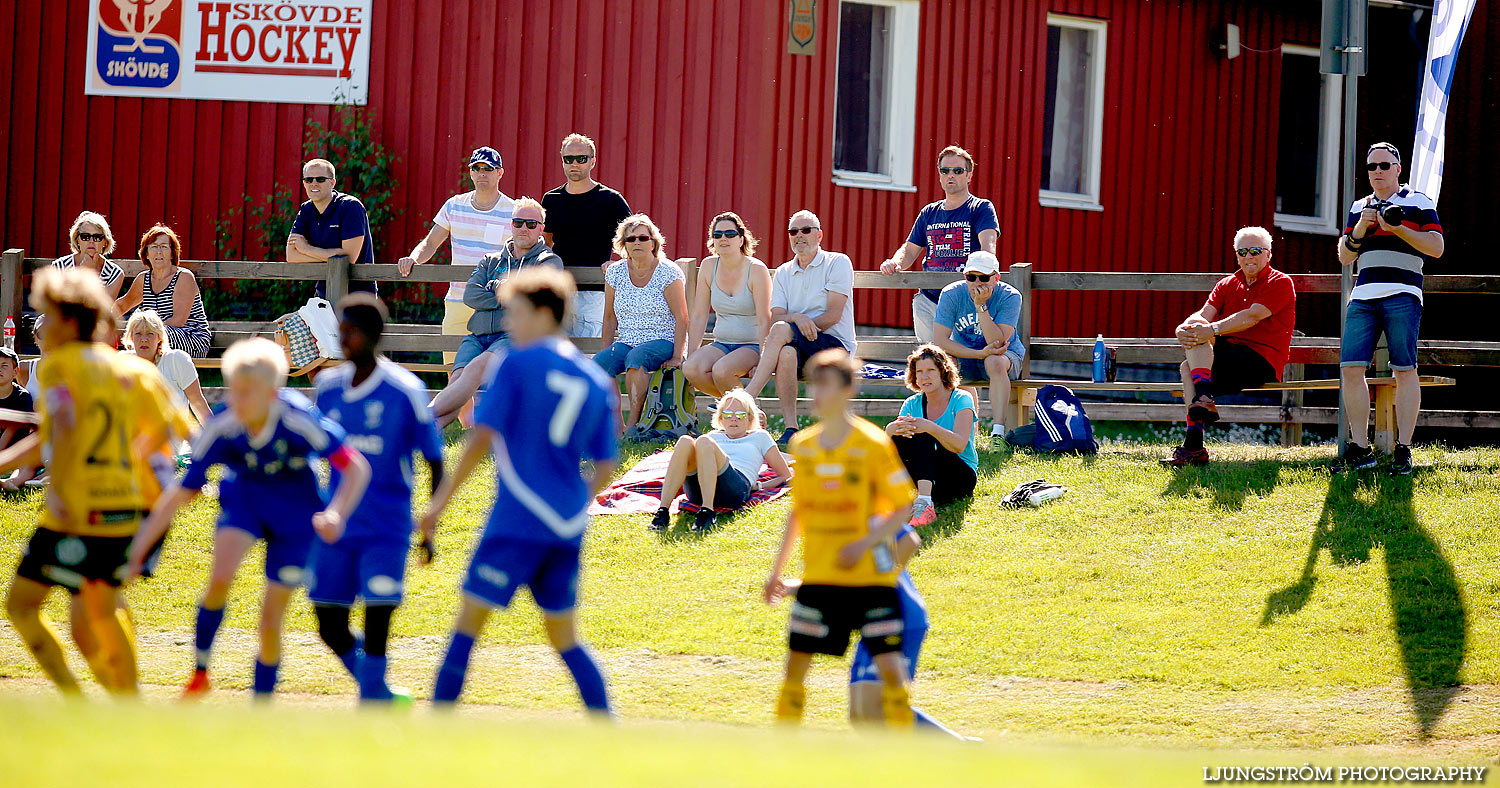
(550, 408)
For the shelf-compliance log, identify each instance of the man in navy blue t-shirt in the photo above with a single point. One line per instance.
(947, 231)
(328, 224)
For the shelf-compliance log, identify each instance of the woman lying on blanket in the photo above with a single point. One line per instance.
(730, 458)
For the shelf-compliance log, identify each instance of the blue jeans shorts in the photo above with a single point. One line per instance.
(472, 345)
(973, 368)
(729, 347)
(1398, 317)
(647, 356)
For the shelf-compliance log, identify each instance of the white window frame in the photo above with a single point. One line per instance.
(1327, 222)
(1088, 200)
(901, 127)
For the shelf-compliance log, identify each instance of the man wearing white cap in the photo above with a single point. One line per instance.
(983, 341)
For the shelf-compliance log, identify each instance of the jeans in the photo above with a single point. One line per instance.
(1398, 316)
(647, 356)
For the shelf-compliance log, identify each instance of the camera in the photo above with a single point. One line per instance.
(1389, 211)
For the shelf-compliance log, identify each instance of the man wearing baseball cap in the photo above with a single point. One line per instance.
(983, 341)
(478, 222)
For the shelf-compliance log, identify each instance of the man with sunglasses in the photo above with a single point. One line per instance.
(984, 342)
(1240, 339)
(948, 231)
(1387, 298)
(329, 223)
(582, 215)
(477, 222)
(482, 295)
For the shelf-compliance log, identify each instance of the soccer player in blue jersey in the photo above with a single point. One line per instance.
(383, 410)
(549, 409)
(864, 677)
(267, 440)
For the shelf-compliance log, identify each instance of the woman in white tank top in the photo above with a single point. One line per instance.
(736, 288)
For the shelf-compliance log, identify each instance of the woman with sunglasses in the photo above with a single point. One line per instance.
(170, 291)
(723, 466)
(935, 433)
(645, 313)
(739, 295)
(91, 239)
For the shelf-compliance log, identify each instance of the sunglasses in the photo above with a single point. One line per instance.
(725, 233)
(316, 178)
(802, 230)
(481, 168)
(952, 170)
(577, 158)
(529, 224)
(91, 236)
(1378, 165)
(1250, 251)
(980, 278)
(738, 414)
(637, 239)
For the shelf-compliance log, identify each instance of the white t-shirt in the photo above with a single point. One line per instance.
(641, 313)
(177, 367)
(805, 291)
(473, 233)
(746, 454)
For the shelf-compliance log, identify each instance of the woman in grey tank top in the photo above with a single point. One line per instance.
(736, 288)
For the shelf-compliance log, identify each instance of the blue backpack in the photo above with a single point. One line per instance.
(1061, 424)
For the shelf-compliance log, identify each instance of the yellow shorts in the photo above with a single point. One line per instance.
(456, 316)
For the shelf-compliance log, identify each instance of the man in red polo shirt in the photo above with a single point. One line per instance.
(1240, 339)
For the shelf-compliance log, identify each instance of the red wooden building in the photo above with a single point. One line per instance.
(1111, 134)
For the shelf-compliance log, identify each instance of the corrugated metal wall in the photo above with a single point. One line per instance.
(698, 109)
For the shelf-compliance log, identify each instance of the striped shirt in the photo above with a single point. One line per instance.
(108, 274)
(193, 337)
(1387, 265)
(473, 233)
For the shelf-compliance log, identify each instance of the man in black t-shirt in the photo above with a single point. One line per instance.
(582, 215)
(12, 396)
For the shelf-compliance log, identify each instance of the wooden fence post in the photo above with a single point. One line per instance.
(1291, 401)
(1020, 279)
(689, 266)
(11, 271)
(338, 278)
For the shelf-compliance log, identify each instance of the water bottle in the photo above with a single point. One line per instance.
(1099, 359)
(10, 332)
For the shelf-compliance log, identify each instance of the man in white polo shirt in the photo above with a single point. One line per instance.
(811, 310)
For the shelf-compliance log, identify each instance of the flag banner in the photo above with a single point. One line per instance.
(1449, 20)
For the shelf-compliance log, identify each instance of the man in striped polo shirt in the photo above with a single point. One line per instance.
(1389, 255)
(478, 222)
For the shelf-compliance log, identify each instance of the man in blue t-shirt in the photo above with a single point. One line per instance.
(947, 231)
(329, 223)
(984, 342)
(549, 409)
(383, 410)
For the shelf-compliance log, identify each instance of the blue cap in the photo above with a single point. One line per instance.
(485, 155)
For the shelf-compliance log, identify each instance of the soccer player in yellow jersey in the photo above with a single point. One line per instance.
(851, 495)
(99, 407)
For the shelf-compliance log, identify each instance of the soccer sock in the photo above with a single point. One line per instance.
(333, 627)
(588, 677)
(372, 666)
(789, 704)
(204, 633)
(450, 677)
(896, 704)
(265, 678)
(1194, 437)
(1203, 382)
(128, 682)
(925, 720)
(372, 684)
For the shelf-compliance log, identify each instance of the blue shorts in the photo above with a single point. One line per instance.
(285, 523)
(863, 667)
(500, 566)
(471, 346)
(973, 368)
(1398, 317)
(647, 356)
(371, 568)
(729, 347)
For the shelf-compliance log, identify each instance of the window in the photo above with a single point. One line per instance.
(1307, 144)
(875, 100)
(1073, 113)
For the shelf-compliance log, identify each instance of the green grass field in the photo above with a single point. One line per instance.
(1257, 611)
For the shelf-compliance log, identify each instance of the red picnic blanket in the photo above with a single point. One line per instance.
(639, 490)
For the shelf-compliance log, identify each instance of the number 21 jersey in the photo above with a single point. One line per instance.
(550, 408)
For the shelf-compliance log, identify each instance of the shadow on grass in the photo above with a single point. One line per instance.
(1427, 606)
(950, 520)
(1230, 481)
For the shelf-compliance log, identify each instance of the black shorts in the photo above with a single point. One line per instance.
(1237, 367)
(824, 616)
(807, 348)
(57, 559)
(732, 491)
